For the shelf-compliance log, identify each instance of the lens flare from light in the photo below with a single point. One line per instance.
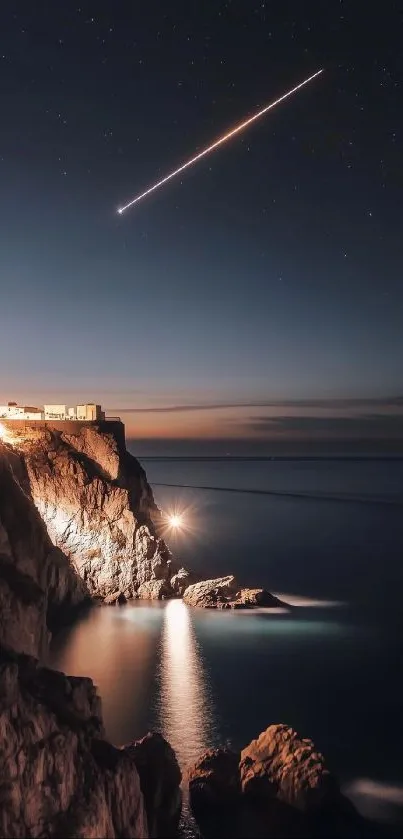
(177, 521)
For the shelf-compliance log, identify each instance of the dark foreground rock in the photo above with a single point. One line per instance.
(60, 777)
(214, 782)
(282, 765)
(278, 786)
(160, 779)
(226, 593)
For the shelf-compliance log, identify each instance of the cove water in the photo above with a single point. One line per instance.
(325, 535)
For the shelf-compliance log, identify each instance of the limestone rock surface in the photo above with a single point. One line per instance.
(37, 582)
(278, 786)
(279, 763)
(59, 777)
(226, 593)
(98, 508)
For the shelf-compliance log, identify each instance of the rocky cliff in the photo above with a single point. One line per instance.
(99, 511)
(37, 582)
(277, 786)
(58, 775)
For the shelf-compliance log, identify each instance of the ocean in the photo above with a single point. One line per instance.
(326, 535)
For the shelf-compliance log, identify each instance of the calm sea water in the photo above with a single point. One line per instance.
(330, 667)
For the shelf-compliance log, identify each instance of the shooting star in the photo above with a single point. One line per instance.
(219, 142)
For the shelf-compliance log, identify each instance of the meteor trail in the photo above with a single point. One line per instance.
(219, 142)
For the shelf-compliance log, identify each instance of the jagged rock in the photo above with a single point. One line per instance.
(278, 786)
(160, 779)
(97, 506)
(59, 777)
(225, 593)
(214, 781)
(208, 593)
(38, 586)
(182, 580)
(155, 590)
(253, 598)
(117, 598)
(280, 764)
(221, 809)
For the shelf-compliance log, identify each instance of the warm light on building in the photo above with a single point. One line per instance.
(89, 412)
(14, 411)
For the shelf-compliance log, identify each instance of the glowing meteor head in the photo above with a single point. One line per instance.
(120, 210)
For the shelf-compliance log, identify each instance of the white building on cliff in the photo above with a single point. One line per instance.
(20, 412)
(90, 412)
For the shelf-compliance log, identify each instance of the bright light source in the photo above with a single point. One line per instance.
(177, 521)
(5, 435)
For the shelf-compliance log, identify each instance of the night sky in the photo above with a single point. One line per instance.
(258, 297)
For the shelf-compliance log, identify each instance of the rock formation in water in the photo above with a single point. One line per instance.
(99, 510)
(226, 593)
(278, 786)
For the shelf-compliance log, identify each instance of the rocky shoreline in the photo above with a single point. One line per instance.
(78, 524)
(99, 512)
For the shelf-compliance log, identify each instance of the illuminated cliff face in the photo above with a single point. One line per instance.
(17, 436)
(98, 508)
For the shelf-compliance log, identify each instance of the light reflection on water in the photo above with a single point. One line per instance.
(203, 678)
(146, 663)
(185, 705)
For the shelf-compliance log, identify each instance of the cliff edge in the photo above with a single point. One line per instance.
(59, 776)
(99, 510)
